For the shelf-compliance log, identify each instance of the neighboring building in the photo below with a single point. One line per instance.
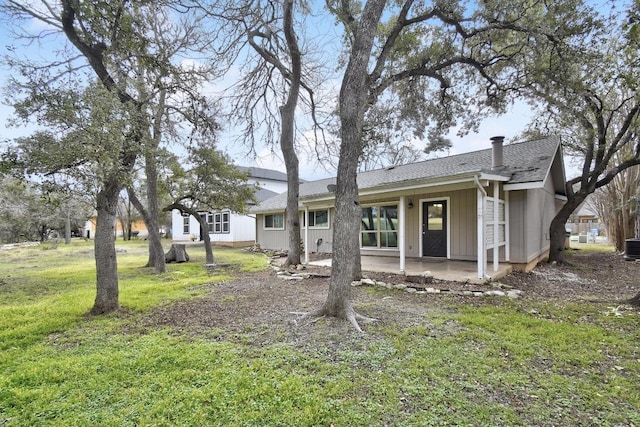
(225, 227)
(138, 229)
(585, 220)
(492, 205)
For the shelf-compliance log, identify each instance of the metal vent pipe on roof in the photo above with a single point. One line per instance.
(497, 158)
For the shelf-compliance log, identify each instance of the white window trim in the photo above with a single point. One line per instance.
(217, 219)
(186, 223)
(228, 221)
(264, 222)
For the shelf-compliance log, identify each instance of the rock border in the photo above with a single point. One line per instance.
(298, 273)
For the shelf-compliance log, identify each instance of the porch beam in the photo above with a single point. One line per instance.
(401, 230)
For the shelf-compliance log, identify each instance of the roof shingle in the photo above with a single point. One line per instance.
(524, 162)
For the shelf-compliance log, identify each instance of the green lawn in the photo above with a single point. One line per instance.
(522, 362)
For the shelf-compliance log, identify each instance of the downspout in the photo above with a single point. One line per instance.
(481, 194)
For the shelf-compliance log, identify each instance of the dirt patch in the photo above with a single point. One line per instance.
(590, 276)
(258, 308)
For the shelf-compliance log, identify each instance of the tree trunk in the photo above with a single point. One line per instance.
(67, 227)
(105, 250)
(557, 229)
(287, 136)
(155, 243)
(206, 240)
(156, 252)
(354, 94)
(210, 260)
(177, 253)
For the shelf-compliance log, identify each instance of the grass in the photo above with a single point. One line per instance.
(523, 362)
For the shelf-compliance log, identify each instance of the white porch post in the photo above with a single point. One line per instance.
(480, 226)
(306, 235)
(401, 228)
(496, 225)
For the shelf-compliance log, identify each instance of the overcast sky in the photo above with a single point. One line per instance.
(508, 125)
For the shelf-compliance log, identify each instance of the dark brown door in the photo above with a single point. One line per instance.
(434, 228)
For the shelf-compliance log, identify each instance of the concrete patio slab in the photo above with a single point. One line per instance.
(442, 269)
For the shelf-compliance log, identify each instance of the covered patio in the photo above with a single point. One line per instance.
(440, 268)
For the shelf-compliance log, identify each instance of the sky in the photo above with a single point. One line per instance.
(508, 125)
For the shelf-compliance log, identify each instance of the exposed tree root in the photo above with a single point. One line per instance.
(349, 315)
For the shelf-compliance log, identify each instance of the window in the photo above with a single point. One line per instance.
(210, 223)
(225, 222)
(274, 221)
(379, 227)
(317, 219)
(185, 223)
(218, 222)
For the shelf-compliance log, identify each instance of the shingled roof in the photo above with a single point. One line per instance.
(255, 172)
(524, 162)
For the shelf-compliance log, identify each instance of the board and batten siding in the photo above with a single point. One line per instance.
(270, 239)
(279, 240)
(462, 216)
(517, 229)
(530, 213)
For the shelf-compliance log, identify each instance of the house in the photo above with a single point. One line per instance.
(490, 206)
(138, 228)
(585, 220)
(227, 228)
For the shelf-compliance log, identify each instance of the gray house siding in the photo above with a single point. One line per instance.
(532, 172)
(464, 235)
(462, 223)
(517, 229)
(270, 239)
(279, 240)
(531, 212)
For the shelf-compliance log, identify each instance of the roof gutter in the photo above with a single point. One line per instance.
(395, 187)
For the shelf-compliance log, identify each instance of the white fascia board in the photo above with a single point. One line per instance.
(418, 185)
(524, 186)
(491, 177)
(266, 211)
(412, 185)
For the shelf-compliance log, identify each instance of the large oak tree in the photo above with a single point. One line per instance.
(587, 92)
(444, 61)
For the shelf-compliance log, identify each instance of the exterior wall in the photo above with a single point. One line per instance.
(270, 239)
(463, 236)
(531, 212)
(517, 228)
(241, 230)
(279, 240)
(242, 227)
(137, 226)
(267, 184)
(462, 227)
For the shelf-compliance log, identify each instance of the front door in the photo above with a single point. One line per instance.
(434, 228)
